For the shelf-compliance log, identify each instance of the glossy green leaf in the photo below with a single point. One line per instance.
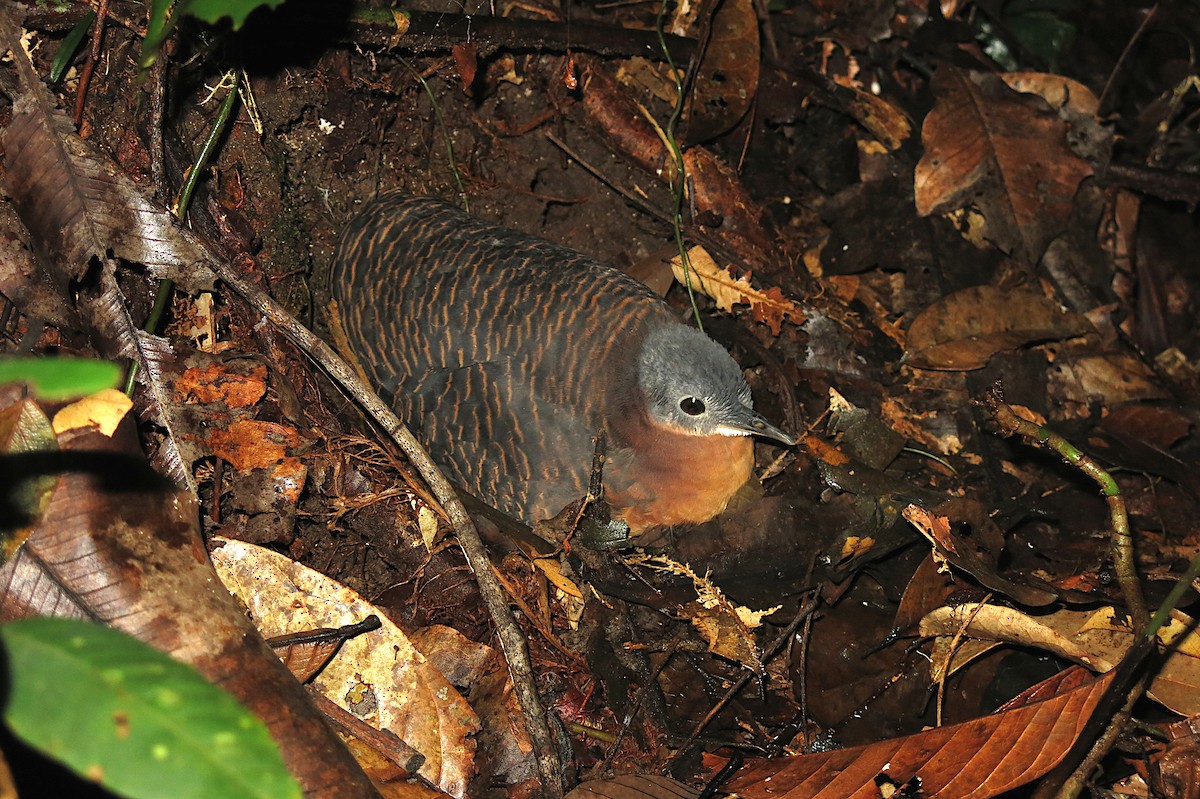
(159, 24)
(70, 44)
(212, 11)
(60, 378)
(132, 719)
(164, 14)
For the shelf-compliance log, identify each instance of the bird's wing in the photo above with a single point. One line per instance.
(503, 441)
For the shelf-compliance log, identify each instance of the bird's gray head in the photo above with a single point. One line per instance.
(693, 386)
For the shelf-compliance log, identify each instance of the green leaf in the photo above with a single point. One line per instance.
(60, 378)
(66, 50)
(132, 719)
(164, 14)
(159, 24)
(211, 11)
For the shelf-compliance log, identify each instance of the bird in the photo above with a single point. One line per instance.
(506, 354)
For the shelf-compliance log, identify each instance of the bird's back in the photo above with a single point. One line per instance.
(503, 351)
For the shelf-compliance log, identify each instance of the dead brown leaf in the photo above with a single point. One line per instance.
(218, 382)
(767, 306)
(982, 553)
(963, 330)
(1002, 152)
(378, 676)
(252, 444)
(1077, 381)
(974, 760)
(727, 76)
(634, 786)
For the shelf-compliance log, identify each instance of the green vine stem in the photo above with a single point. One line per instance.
(1147, 627)
(166, 288)
(678, 175)
(1075, 783)
(437, 113)
(1122, 541)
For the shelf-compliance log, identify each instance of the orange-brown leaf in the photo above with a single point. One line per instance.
(234, 386)
(768, 306)
(727, 77)
(973, 760)
(1003, 152)
(965, 329)
(251, 444)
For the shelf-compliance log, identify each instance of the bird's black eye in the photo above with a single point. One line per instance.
(691, 406)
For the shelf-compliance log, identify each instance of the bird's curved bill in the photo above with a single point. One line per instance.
(755, 425)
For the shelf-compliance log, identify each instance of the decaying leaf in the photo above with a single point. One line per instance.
(1096, 638)
(1178, 768)
(725, 626)
(1076, 381)
(981, 554)
(634, 786)
(705, 276)
(480, 672)
(963, 330)
(213, 381)
(1003, 153)
(727, 76)
(379, 676)
(252, 444)
(103, 410)
(24, 431)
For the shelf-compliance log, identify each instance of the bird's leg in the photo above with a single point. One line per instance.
(598, 530)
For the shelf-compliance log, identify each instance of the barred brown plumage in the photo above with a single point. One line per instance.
(506, 354)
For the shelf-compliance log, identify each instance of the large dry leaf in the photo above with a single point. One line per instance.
(1095, 638)
(74, 202)
(973, 760)
(963, 330)
(633, 786)
(727, 76)
(1002, 152)
(85, 217)
(119, 545)
(379, 676)
(1077, 380)
(480, 671)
